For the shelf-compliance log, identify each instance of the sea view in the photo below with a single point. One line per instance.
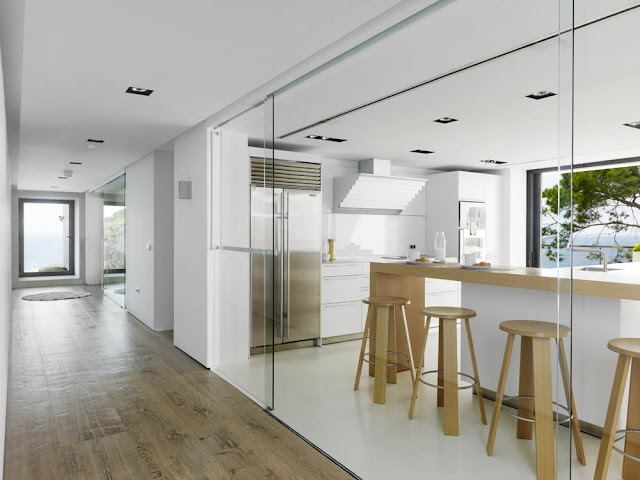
(41, 251)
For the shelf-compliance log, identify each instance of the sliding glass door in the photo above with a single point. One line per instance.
(47, 229)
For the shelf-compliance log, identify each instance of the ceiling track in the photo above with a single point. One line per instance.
(454, 72)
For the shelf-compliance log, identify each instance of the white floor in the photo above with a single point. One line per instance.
(314, 395)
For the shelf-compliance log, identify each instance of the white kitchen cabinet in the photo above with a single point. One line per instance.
(340, 269)
(341, 311)
(340, 319)
(341, 289)
(471, 186)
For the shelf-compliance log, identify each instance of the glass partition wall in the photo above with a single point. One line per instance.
(113, 250)
(247, 252)
(485, 124)
(468, 97)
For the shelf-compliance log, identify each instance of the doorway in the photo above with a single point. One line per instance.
(113, 252)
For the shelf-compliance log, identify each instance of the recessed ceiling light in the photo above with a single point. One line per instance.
(54, 186)
(139, 91)
(446, 120)
(94, 140)
(633, 124)
(327, 139)
(494, 162)
(424, 152)
(541, 94)
(75, 163)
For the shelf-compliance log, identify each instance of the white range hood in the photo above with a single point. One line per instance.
(374, 190)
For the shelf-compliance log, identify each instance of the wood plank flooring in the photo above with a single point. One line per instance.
(93, 393)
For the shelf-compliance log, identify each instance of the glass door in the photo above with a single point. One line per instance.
(114, 226)
(246, 253)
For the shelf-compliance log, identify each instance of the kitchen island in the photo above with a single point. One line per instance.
(605, 306)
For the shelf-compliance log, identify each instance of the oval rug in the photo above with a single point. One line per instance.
(51, 296)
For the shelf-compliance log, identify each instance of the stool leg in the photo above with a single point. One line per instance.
(525, 406)
(611, 422)
(392, 372)
(363, 347)
(568, 393)
(380, 376)
(440, 393)
(416, 380)
(500, 394)
(406, 336)
(631, 468)
(472, 352)
(450, 364)
(543, 406)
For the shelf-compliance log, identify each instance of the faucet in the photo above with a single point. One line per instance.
(599, 251)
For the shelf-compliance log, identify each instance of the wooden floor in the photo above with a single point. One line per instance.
(93, 393)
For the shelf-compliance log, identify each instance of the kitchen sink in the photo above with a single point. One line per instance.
(598, 268)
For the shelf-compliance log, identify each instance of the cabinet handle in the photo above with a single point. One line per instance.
(343, 277)
(340, 304)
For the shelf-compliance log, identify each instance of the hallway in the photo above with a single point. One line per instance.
(93, 393)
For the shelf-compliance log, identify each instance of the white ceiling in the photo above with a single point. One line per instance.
(198, 55)
(496, 120)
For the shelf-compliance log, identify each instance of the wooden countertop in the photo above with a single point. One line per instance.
(623, 284)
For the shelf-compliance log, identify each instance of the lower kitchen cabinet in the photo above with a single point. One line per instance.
(340, 319)
(341, 309)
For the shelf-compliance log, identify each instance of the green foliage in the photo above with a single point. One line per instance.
(609, 198)
(636, 247)
(53, 268)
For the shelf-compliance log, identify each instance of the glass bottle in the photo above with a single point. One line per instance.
(440, 247)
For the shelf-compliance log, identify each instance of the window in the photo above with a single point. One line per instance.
(47, 230)
(606, 214)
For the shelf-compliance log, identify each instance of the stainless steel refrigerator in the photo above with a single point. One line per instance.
(285, 288)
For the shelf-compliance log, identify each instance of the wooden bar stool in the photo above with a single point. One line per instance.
(384, 310)
(535, 402)
(448, 364)
(629, 356)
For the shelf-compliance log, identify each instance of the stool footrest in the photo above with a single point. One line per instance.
(532, 420)
(620, 451)
(371, 362)
(441, 387)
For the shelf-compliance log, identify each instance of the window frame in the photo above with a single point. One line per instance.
(72, 238)
(534, 194)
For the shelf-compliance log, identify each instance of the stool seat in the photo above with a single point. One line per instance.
(386, 301)
(448, 313)
(625, 346)
(535, 329)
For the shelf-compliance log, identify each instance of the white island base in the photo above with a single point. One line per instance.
(596, 320)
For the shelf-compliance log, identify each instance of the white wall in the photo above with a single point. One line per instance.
(5, 266)
(513, 206)
(163, 231)
(149, 240)
(192, 292)
(139, 233)
(80, 240)
(93, 225)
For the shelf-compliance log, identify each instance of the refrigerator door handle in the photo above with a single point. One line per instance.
(287, 258)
